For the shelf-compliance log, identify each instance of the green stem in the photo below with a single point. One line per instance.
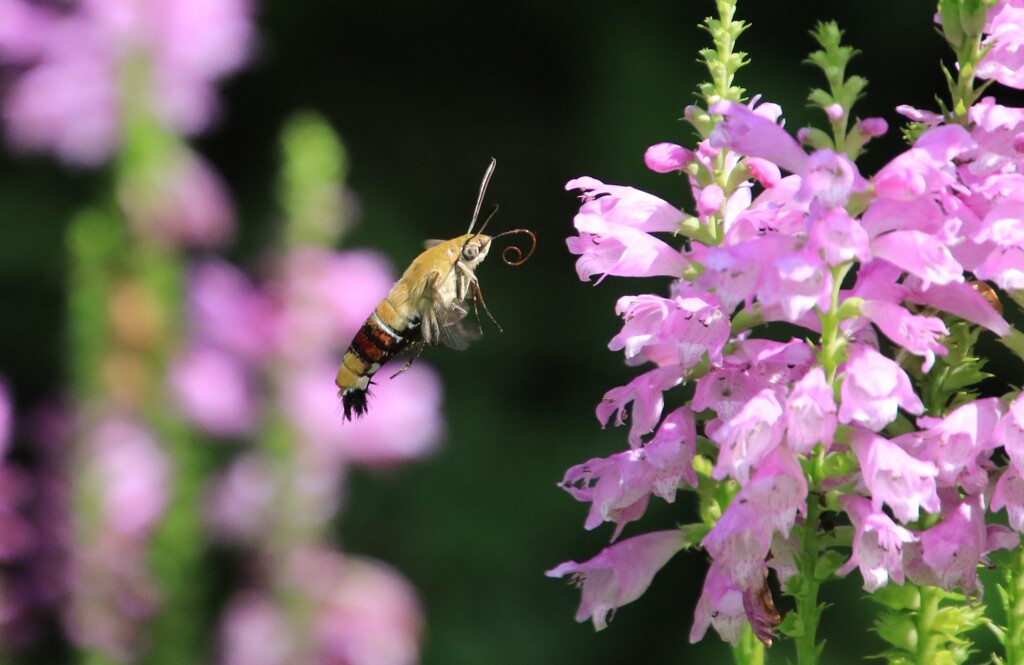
(928, 641)
(807, 607)
(1014, 637)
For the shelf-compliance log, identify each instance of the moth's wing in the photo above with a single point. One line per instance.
(427, 244)
(442, 323)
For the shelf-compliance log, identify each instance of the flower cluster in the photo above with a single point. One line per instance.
(882, 274)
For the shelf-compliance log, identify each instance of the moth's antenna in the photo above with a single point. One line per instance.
(483, 190)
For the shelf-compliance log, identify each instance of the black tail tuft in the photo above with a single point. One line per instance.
(354, 400)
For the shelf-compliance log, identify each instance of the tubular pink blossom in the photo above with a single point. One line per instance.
(754, 135)
(619, 574)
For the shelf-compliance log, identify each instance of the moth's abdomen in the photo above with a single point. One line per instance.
(383, 335)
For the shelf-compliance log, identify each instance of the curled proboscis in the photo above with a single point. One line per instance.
(515, 256)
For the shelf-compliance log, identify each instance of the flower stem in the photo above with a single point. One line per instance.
(1014, 597)
(928, 641)
(807, 608)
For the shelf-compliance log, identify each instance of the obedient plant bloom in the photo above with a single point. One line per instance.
(619, 574)
(880, 273)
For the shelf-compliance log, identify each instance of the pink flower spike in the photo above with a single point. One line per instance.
(667, 157)
(877, 544)
(619, 574)
(874, 388)
(834, 111)
(753, 135)
(894, 478)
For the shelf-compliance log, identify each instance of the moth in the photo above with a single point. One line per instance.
(426, 306)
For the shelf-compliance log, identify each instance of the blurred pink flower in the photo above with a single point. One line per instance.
(71, 98)
(131, 475)
(368, 615)
(184, 202)
(405, 422)
(227, 311)
(254, 631)
(213, 390)
(325, 296)
(240, 500)
(6, 418)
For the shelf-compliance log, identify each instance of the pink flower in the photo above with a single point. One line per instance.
(626, 206)
(810, 413)
(873, 389)
(1010, 431)
(667, 157)
(131, 472)
(254, 631)
(748, 437)
(228, 312)
(70, 98)
(720, 605)
(894, 478)
(877, 544)
(405, 422)
(830, 178)
(951, 550)
(6, 418)
(1009, 494)
(959, 444)
(1004, 60)
(646, 393)
(740, 540)
(678, 331)
(184, 202)
(840, 237)
(619, 574)
(919, 335)
(618, 487)
(366, 612)
(213, 390)
(624, 251)
(750, 133)
(926, 167)
(241, 500)
(325, 297)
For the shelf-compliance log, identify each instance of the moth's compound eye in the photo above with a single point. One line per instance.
(470, 252)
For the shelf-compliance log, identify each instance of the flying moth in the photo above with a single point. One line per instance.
(426, 306)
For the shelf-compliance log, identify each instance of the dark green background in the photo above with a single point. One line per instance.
(423, 95)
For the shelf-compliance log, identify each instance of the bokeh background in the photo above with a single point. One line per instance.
(423, 94)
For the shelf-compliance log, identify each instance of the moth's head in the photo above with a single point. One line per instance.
(473, 248)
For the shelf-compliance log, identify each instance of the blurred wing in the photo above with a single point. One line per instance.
(442, 323)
